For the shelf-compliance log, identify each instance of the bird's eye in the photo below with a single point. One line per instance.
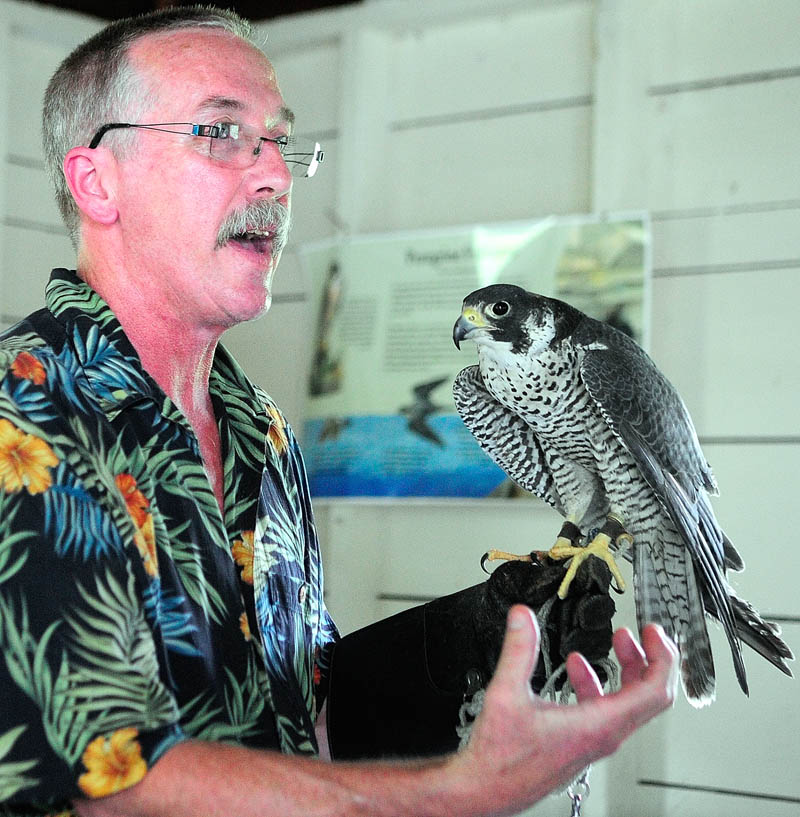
(499, 309)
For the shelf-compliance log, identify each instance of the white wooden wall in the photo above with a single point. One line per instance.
(696, 119)
(33, 41)
(465, 111)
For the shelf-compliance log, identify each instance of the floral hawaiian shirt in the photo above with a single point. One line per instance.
(133, 613)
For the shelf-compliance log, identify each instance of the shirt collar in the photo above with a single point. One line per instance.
(110, 363)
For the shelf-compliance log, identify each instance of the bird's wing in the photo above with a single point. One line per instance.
(504, 436)
(647, 414)
(628, 386)
(423, 391)
(418, 425)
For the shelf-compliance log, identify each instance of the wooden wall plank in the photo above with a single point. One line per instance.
(727, 342)
(728, 745)
(310, 82)
(34, 62)
(728, 145)
(506, 60)
(698, 241)
(29, 198)
(508, 168)
(693, 41)
(27, 257)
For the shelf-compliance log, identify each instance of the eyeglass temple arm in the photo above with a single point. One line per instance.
(104, 130)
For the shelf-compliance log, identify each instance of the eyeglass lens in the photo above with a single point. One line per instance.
(302, 156)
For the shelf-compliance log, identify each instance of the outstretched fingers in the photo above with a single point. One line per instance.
(655, 660)
(631, 657)
(583, 678)
(649, 674)
(522, 747)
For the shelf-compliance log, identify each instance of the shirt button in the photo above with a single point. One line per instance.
(301, 593)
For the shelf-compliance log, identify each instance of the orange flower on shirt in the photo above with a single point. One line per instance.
(277, 431)
(244, 626)
(145, 540)
(113, 763)
(26, 366)
(242, 551)
(25, 461)
(137, 504)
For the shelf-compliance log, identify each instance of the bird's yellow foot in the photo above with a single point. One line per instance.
(564, 548)
(493, 555)
(568, 535)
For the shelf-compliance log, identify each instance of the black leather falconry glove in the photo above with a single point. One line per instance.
(396, 687)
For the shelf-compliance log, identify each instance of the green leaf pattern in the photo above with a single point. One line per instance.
(120, 603)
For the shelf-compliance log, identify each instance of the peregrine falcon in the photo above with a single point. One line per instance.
(575, 412)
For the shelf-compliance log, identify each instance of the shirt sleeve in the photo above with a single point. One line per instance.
(85, 710)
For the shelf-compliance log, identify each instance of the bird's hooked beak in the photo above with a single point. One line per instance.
(469, 322)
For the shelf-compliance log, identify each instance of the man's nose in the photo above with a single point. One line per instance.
(270, 173)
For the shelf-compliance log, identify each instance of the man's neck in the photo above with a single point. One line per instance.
(175, 348)
(177, 353)
(182, 371)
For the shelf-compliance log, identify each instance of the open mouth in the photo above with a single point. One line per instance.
(254, 240)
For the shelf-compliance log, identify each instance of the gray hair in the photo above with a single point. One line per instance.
(97, 84)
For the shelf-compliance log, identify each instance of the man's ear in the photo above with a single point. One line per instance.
(91, 176)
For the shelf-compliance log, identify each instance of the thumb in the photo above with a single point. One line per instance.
(520, 649)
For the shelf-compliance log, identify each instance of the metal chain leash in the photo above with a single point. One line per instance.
(578, 792)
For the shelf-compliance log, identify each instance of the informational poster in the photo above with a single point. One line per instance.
(380, 417)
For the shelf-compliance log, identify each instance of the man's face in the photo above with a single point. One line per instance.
(174, 198)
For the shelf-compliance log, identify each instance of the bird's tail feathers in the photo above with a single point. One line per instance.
(761, 635)
(697, 662)
(669, 596)
(650, 607)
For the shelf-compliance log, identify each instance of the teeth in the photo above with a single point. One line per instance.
(254, 235)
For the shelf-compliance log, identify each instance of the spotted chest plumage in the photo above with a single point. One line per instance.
(547, 392)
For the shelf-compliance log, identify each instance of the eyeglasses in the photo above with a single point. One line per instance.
(237, 145)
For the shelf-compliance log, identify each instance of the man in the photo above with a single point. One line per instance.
(160, 588)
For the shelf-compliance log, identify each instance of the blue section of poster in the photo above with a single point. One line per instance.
(379, 455)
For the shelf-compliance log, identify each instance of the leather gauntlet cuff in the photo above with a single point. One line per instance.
(396, 687)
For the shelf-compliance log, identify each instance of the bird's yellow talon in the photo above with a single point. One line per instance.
(624, 541)
(598, 547)
(493, 555)
(572, 570)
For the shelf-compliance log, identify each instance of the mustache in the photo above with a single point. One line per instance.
(258, 216)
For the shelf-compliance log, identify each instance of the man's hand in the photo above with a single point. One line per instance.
(523, 747)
